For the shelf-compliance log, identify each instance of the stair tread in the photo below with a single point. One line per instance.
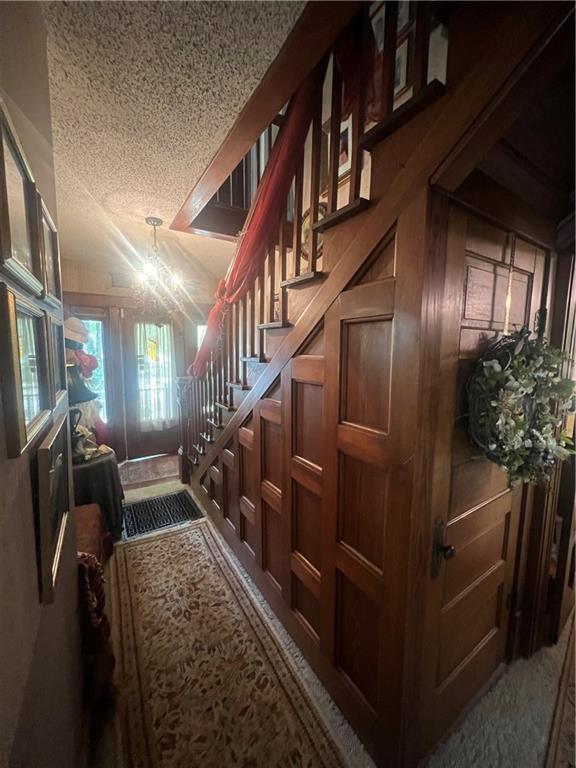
(303, 279)
(430, 93)
(215, 424)
(238, 385)
(207, 437)
(253, 359)
(341, 215)
(224, 406)
(199, 449)
(273, 325)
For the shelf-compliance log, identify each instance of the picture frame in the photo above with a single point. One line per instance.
(57, 360)
(402, 67)
(49, 247)
(53, 504)
(24, 374)
(20, 257)
(345, 155)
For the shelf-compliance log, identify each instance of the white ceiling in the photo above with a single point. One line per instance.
(142, 96)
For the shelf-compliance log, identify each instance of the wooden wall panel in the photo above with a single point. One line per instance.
(272, 547)
(272, 452)
(358, 647)
(306, 517)
(307, 416)
(362, 508)
(364, 342)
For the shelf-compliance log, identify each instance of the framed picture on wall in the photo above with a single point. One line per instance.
(50, 257)
(57, 359)
(20, 257)
(24, 370)
(53, 503)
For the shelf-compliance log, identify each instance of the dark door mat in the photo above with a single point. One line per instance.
(150, 514)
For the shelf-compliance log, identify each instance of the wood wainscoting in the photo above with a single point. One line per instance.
(313, 492)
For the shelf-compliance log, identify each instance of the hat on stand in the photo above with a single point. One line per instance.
(75, 330)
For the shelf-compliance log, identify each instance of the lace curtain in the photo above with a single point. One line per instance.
(157, 405)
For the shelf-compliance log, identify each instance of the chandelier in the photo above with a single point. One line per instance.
(159, 289)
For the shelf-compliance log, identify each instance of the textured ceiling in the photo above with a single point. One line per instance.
(142, 96)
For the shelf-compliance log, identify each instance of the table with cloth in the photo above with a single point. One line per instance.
(97, 481)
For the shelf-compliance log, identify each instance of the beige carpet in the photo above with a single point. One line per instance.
(204, 681)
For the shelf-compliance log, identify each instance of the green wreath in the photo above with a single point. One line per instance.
(516, 397)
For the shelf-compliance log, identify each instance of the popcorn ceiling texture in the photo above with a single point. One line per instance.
(143, 95)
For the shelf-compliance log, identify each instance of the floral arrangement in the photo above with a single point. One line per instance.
(516, 397)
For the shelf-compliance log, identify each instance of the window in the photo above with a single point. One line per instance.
(27, 346)
(95, 346)
(157, 407)
(200, 333)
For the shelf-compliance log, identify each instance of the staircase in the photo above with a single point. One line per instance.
(330, 187)
(275, 367)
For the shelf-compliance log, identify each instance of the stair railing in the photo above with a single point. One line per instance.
(326, 189)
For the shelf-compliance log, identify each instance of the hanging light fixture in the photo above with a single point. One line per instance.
(159, 289)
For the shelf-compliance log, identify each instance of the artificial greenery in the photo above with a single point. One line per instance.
(516, 396)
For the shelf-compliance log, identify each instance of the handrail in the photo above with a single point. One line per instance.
(326, 190)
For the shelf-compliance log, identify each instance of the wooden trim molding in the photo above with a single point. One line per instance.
(317, 28)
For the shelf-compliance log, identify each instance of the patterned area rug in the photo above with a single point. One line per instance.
(152, 469)
(203, 681)
(159, 512)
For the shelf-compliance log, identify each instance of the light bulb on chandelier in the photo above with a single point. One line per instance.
(158, 288)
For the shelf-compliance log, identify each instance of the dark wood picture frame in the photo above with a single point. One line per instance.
(20, 434)
(57, 358)
(50, 255)
(54, 471)
(29, 279)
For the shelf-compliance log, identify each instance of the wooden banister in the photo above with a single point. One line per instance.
(315, 31)
(253, 328)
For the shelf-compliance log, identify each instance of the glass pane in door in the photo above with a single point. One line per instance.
(95, 346)
(157, 406)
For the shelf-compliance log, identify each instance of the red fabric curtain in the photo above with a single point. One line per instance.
(267, 209)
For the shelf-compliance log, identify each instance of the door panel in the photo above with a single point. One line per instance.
(469, 595)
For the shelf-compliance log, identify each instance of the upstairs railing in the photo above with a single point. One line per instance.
(404, 71)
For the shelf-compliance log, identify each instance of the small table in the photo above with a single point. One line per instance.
(97, 481)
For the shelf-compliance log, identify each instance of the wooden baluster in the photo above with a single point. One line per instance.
(282, 267)
(252, 322)
(261, 313)
(236, 309)
(389, 57)
(232, 343)
(334, 151)
(244, 335)
(229, 349)
(237, 180)
(297, 221)
(246, 170)
(358, 115)
(195, 416)
(315, 161)
(421, 46)
(207, 414)
(271, 281)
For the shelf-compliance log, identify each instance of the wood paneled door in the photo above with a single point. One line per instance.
(475, 513)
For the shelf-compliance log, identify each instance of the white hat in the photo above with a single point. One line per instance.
(75, 330)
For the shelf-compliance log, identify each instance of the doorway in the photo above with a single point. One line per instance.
(139, 360)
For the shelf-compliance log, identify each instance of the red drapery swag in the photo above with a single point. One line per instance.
(360, 65)
(264, 219)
